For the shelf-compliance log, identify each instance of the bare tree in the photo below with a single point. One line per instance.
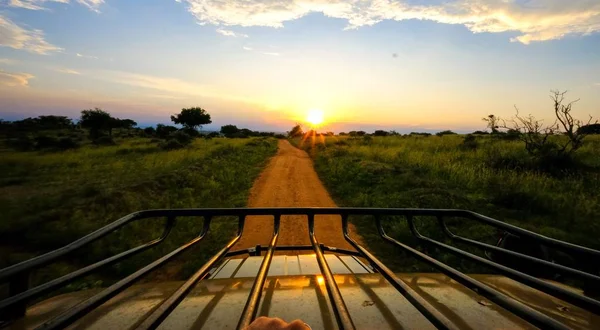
(492, 122)
(569, 124)
(537, 136)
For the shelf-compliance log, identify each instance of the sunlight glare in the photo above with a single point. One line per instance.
(315, 117)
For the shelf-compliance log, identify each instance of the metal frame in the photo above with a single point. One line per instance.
(20, 294)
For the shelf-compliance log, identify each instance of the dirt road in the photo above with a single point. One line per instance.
(291, 181)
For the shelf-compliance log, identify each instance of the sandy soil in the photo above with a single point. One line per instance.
(290, 180)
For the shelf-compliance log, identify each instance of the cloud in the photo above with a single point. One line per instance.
(229, 33)
(8, 61)
(14, 79)
(14, 36)
(39, 4)
(271, 53)
(247, 48)
(533, 20)
(68, 71)
(86, 56)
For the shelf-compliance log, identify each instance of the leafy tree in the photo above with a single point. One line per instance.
(127, 123)
(380, 133)
(296, 131)
(96, 120)
(342, 134)
(589, 129)
(149, 131)
(229, 130)
(442, 133)
(192, 118)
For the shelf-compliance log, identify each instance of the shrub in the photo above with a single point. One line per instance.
(279, 136)
(171, 144)
(149, 131)
(442, 133)
(22, 143)
(45, 142)
(469, 142)
(181, 137)
(212, 135)
(104, 141)
(66, 143)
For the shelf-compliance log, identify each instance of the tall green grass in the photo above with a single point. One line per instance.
(50, 199)
(439, 172)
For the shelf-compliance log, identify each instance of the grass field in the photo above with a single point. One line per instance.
(48, 199)
(439, 172)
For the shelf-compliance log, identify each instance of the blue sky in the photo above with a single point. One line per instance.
(369, 64)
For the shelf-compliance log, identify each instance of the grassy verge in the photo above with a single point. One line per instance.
(439, 172)
(50, 199)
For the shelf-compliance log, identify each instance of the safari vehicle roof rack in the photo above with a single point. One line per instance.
(19, 294)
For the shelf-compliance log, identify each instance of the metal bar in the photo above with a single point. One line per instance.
(438, 319)
(167, 306)
(249, 312)
(39, 261)
(298, 247)
(560, 268)
(335, 297)
(9, 272)
(561, 293)
(53, 284)
(523, 311)
(86, 306)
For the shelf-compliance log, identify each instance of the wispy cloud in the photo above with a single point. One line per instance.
(93, 5)
(86, 56)
(17, 37)
(247, 48)
(271, 53)
(10, 79)
(229, 33)
(8, 61)
(535, 20)
(68, 71)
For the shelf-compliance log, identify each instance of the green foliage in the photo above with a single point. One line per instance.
(192, 118)
(496, 178)
(149, 131)
(296, 131)
(229, 130)
(104, 141)
(96, 120)
(442, 133)
(163, 131)
(50, 199)
(589, 129)
(381, 133)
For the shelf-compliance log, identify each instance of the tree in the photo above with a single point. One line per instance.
(163, 131)
(536, 135)
(380, 133)
(127, 123)
(229, 130)
(192, 118)
(296, 131)
(149, 131)
(492, 123)
(589, 129)
(96, 120)
(442, 133)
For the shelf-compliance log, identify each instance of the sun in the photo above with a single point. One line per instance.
(315, 117)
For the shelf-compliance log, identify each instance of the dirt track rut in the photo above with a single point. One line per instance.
(289, 180)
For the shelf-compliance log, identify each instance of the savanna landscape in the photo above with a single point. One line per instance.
(439, 163)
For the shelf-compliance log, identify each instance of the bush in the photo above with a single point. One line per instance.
(22, 143)
(149, 131)
(67, 143)
(279, 136)
(104, 141)
(442, 133)
(171, 144)
(45, 142)
(181, 137)
(469, 142)
(212, 135)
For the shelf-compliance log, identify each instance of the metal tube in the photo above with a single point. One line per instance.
(433, 315)
(300, 248)
(523, 311)
(249, 312)
(53, 284)
(561, 293)
(73, 314)
(167, 306)
(335, 297)
(557, 267)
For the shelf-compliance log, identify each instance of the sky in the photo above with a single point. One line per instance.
(405, 65)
